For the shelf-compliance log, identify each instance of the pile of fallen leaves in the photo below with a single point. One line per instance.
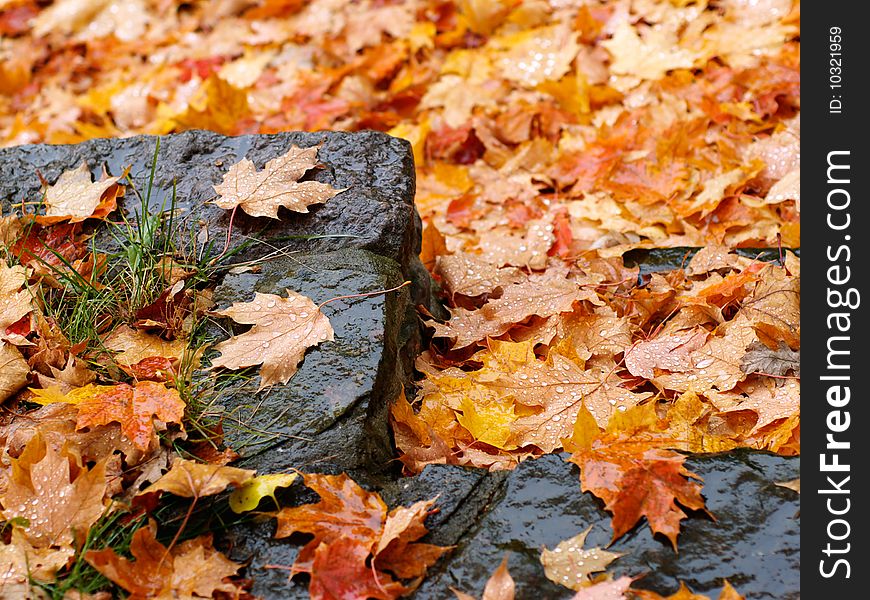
(95, 433)
(550, 138)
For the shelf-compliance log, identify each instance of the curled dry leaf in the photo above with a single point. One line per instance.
(570, 565)
(283, 329)
(191, 479)
(260, 193)
(13, 370)
(74, 197)
(761, 359)
(15, 301)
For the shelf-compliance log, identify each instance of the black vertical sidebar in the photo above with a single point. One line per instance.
(835, 248)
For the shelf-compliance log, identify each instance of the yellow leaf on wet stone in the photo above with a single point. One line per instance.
(248, 495)
(570, 564)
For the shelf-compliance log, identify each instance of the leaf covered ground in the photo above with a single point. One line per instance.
(550, 139)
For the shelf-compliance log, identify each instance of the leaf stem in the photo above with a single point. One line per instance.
(398, 287)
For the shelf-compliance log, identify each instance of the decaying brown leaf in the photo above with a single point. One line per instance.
(761, 359)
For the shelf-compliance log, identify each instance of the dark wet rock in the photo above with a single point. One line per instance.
(332, 415)
(375, 213)
(754, 543)
(661, 260)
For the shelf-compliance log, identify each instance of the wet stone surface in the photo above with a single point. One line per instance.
(332, 415)
(375, 213)
(754, 543)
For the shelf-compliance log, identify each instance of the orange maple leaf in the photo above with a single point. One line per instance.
(133, 407)
(350, 525)
(635, 480)
(192, 569)
(345, 510)
(339, 571)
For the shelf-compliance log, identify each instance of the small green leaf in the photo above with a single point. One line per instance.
(248, 496)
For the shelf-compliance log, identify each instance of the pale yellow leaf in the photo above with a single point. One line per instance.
(260, 193)
(283, 328)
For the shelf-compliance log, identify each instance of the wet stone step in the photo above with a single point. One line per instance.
(754, 542)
